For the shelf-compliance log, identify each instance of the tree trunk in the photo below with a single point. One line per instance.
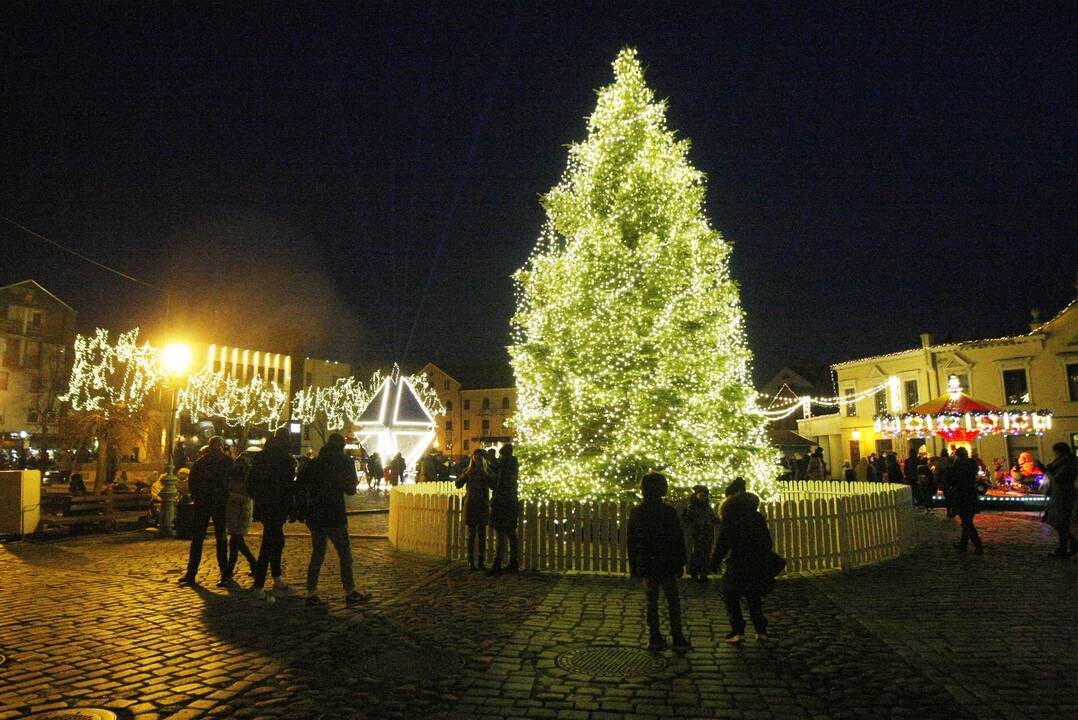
(101, 468)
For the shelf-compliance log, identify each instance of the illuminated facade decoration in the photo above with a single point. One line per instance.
(629, 344)
(396, 420)
(1027, 385)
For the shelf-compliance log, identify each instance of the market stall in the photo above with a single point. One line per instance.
(961, 420)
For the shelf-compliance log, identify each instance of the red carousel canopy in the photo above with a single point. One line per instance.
(958, 418)
(952, 402)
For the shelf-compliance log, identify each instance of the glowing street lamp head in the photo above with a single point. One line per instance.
(176, 358)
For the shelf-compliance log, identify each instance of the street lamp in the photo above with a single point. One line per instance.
(175, 359)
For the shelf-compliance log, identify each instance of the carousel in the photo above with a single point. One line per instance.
(959, 420)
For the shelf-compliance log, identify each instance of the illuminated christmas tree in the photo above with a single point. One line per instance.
(628, 342)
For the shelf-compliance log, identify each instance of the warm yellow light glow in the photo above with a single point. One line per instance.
(176, 358)
(856, 434)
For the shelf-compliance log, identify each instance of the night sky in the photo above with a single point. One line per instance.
(368, 176)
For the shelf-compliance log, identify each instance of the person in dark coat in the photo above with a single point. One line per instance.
(208, 484)
(272, 484)
(399, 467)
(504, 510)
(745, 543)
(894, 472)
(698, 519)
(375, 471)
(656, 547)
(964, 501)
(320, 490)
(1061, 500)
(909, 472)
(477, 481)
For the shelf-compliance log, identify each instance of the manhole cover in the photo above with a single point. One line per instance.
(611, 661)
(412, 664)
(73, 714)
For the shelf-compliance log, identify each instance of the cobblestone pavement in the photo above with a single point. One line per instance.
(99, 621)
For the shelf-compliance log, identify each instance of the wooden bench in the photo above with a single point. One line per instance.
(63, 510)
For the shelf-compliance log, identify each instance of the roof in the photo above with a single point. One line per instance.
(42, 288)
(1041, 329)
(781, 437)
(476, 377)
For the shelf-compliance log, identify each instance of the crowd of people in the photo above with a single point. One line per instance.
(267, 487)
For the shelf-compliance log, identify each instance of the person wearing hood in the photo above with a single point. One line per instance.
(272, 483)
(964, 500)
(745, 544)
(504, 510)
(1061, 500)
(698, 518)
(320, 490)
(656, 547)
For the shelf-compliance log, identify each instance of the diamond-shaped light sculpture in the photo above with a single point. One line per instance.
(396, 420)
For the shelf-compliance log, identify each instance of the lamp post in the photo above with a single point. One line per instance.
(175, 359)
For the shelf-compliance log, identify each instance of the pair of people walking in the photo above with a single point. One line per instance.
(492, 497)
(656, 548)
(226, 493)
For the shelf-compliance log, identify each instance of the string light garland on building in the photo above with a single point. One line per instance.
(105, 376)
(346, 400)
(628, 341)
(257, 402)
(805, 402)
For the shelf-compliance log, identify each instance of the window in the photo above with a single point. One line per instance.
(449, 406)
(217, 366)
(250, 371)
(963, 381)
(881, 402)
(486, 403)
(851, 406)
(1015, 386)
(505, 403)
(1072, 380)
(449, 426)
(4, 380)
(486, 425)
(467, 404)
(912, 398)
(228, 368)
(467, 424)
(36, 320)
(31, 415)
(280, 376)
(467, 444)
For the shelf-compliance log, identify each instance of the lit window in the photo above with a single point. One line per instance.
(851, 406)
(881, 402)
(912, 398)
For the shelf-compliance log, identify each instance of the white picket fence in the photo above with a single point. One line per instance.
(815, 526)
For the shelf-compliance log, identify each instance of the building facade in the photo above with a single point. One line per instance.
(1030, 371)
(316, 373)
(479, 401)
(37, 333)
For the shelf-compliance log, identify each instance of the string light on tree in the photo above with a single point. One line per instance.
(106, 376)
(257, 402)
(628, 342)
